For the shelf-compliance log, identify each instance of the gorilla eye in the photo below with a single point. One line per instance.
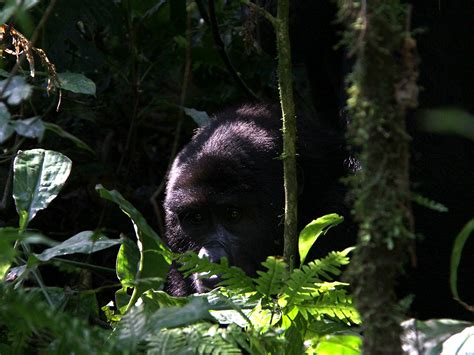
(233, 214)
(196, 217)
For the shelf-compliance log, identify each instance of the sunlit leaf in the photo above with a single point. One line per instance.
(38, 177)
(312, 231)
(128, 259)
(432, 335)
(339, 344)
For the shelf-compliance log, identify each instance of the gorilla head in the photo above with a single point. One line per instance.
(225, 196)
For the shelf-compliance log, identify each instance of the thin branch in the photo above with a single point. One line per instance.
(223, 53)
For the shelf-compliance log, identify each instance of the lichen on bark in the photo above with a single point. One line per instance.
(382, 86)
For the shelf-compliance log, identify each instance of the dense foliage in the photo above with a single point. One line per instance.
(98, 102)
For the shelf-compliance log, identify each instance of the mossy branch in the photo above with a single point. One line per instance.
(285, 84)
(382, 87)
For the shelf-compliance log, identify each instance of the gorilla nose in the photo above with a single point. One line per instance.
(214, 254)
(211, 282)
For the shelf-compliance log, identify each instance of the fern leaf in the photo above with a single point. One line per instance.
(231, 276)
(302, 282)
(272, 281)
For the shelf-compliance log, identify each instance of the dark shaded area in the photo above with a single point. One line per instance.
(441, 165)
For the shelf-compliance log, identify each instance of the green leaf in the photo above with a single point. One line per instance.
(200, 117)
(7, 255)
(154, 300)
(155, 258)
(456, 256)
(128, 260)
(17, 90)
(273, 280)
(38, 177)
(77, 83)
(8, 236)
(62, 133)
(13, 7)
(6, 127)
(338, 344)
(437, 336)
(460, 343)
(448, 120)
(86, 242)
(30, 127)
(312, 231)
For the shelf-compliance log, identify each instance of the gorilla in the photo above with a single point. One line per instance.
(225, 198)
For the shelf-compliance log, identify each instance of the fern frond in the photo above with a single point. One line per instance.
(231, 276)
(132, 329)
(272, 281)
(201, 338)
(302, 282)
(335, 304)
(29, 325)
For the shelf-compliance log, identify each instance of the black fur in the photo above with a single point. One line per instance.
(233, 162)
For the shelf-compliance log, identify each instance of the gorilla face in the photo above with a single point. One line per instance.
(224, 196)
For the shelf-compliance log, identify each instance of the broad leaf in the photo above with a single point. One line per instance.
(86, 242)
(38, 177)
(155, 258)
(312, 231)
(128, 260)
(339, 344)
(6, 127)
(76, 83)
(30, 127)
(17, 90)
(200, 117)
(436, 336)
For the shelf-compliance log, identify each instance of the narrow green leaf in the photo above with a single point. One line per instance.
(77, 83)
(38, 177)
(456, 256)
(312, 231)
(62, 133)
(86, 242)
